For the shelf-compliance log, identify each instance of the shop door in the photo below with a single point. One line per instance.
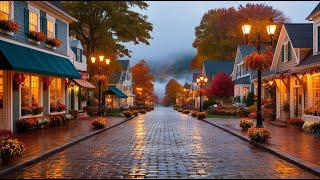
(297, 100)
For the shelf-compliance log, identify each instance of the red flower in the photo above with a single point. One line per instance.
(37, 36)
(54, 42)
(257, 61)
(9, 25)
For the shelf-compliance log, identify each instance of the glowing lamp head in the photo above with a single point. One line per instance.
(198, 80)
(93, 59)
(246, 27)
(108, 61)
(206, 80)
(101, 58)
(271, 28)
(77, 88)
(201, 78)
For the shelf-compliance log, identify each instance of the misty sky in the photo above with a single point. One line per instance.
(174, 23)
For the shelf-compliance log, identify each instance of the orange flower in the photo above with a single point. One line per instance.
(37, 36)
(54, 42)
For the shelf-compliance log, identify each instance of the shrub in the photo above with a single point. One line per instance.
(135, 112)
(11, 147)
(186, 111)
(194, 113)
(68, 118)
(259, 134)
(202, 115)
(244, 99)
(253, 115)
(45, 121)
(236, 99)
(27, 123)
(180, 110)
(286, 107)
(244, 112)
(310, 127)
(296, 122)
(246, 123)
(127, 114)
(142, 111)
(252, 108)
(250, 99)
(207, 103)
(99, 123)
(91, 111)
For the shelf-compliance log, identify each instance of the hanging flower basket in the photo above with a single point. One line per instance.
(18, 79)
(257, 61)
(53, 43)
(101, 78)
(36, 37)
(46, 82)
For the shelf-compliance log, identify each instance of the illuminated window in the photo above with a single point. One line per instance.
(30, 91)
(5, 10)
(56, 92)
(316, 90)
(50, 28)
(1, 89)
(33, 21)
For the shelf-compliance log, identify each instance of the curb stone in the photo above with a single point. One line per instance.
(57, 150)
(308, 166)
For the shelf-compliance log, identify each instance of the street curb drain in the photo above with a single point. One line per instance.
(57, 150)
(311, 167)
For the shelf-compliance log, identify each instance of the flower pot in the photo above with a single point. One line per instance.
(259, 139)
(8, 159)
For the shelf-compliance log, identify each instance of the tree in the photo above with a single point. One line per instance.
(143, 79)
(222, 86)
(173, 88)
(220, 32)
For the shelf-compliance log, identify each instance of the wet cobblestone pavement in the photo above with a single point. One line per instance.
(163, 144)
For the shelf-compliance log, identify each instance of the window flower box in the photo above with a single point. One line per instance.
(36, 37)
(33, 41)
(8, 27)
(51, 47)
(7, 32)
(53, 43)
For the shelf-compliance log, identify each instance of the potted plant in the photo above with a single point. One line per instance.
(246, 123)
(74, 114)
(186, 111)
(202, 115)
(26, 110)
(43, 122)
(11, 148)
(68, 118)
(99, 123)
(61, 107)
(53, 108)
(135, 112)
(127, 114)
(259, 134)
(286, 111)
(37, 110)
(53, 43)
(310, 127)
(36, 37)
(142, 111)
(9, 27)
(194, 113)
(296, 123)
(27, 123)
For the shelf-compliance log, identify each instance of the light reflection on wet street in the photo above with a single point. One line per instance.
(163, 144)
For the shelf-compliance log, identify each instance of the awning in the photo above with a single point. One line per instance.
(84, 83)
(19, 58)
(116, 91)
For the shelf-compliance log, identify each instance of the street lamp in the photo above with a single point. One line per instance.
(139, 89)
(202, 80)
(101, 58)
(271, 28)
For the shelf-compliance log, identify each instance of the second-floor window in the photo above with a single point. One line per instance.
(79, 54)
(5, 10)
(33, 21)
(50, 28)
(286, 52)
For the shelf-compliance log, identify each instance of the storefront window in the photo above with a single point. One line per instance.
(30, 91)
(316, 90)
(1, 89)
(56, 92)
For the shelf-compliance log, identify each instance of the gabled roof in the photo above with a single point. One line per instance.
(76, 44)
(243, 80)
(124, 64)
(309, 61)
(314, 12)
(300, 34)
(58, 5)
(195, 77)
(246, 50)
(115, 78)
(212, 67)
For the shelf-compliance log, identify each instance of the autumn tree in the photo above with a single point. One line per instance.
(220, 32)
(222, 86)
(143, 79)
(173, 88)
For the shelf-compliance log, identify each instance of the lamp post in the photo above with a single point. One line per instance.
(99, 63)
(202, 80)
(139, 89)
(271, 28)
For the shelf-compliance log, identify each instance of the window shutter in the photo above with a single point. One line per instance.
(56, 29)
(318, 38)
(43, 24)
(289, 51)
(282, 53)
(80, 55)
(26, 20)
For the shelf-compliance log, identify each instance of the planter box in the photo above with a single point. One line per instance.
(7, 32)
(33, 41)
(51, 47)
(311, 118)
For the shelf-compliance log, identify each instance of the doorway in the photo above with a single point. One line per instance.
(297, 99)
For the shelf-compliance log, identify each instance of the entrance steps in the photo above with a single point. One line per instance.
(82, 115)
(279, 122)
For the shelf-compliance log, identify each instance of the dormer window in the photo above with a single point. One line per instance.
(286, 52)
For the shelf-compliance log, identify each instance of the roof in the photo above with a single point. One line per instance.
(243, 80)
(124, 64)
(114, 90)
(300, 34)
(254, 74)
(212, 67)
(114, 79)
(309, 61)
(76, 44)
(315, 10)
(246, 50)
(58, 4)
(195, 77)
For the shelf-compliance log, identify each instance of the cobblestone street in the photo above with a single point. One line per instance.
(163, 144)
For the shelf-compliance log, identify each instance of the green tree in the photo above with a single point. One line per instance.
(250, 99)
(220, 32)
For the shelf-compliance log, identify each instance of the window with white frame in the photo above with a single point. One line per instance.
(79, 55)
(50, 28)
(5, 7)
(34, 18)
(285, 52)
(56, 94)
(30, 91)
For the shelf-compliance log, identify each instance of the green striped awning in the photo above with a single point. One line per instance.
(114, 90)
(23, 59)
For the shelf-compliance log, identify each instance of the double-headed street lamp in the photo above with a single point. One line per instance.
(99, 63)
(271, 28)
(202, 80)
(139, 89)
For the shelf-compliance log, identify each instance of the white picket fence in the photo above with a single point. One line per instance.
(310, 118)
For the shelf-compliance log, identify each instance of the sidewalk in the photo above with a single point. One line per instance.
(293, 145)
(41, 143)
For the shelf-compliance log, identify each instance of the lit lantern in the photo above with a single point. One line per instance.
(93, 59)
(246, 28)
(271, 28)
(101, 58)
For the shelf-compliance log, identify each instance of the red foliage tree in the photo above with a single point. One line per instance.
(222, 86)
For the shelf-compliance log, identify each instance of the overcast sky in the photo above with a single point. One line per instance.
(174, 23)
